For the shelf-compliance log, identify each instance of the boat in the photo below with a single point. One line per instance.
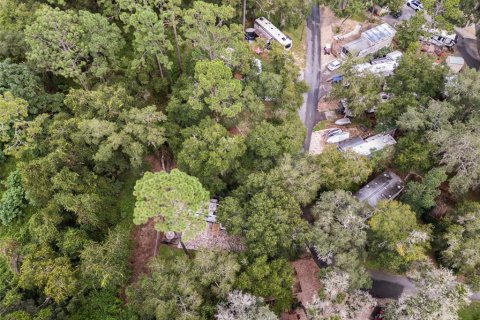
(343, 121)
(338, 137)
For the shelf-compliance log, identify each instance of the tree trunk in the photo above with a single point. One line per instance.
(159, 66)
(477, 32)
(177, 49)
(157, 239)
(185, 249)
(244, 14)
(343, 21)
(47, 300)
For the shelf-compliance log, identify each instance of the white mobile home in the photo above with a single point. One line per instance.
(368, 146)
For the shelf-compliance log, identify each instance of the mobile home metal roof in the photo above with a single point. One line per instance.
(350, 143)
(379, 33)
(357, 45)
(386, 186)
(375, 143)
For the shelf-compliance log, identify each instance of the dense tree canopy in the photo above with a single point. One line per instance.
(270, 220)
(343, 170)
(461, 241)
(397, 238)
(339, 235)
(244, 306)
(269, 279)
(177, 287)
(13, 201)
(95, 94)
(87, 44)
(337, 301)
(210, 154)
(439, 296)
(421, 195)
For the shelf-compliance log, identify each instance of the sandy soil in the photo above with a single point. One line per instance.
(329, 25)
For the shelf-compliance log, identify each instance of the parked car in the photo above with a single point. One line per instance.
(334, 65)
(336, 78)
(396, 14)
(339, 137)
(415, 5)
(343, 121)
(250, 35)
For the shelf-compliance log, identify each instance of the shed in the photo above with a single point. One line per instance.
(370, 41)
(386, 186)
(455, 63)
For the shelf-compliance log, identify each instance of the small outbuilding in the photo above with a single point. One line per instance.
(386, 186)
(455, 63)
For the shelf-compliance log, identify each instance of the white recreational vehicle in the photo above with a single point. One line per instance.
(266, 29)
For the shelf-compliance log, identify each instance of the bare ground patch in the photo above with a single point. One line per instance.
(145, 239)
(143, 249)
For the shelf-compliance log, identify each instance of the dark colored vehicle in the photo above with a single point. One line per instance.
(378, 313)
(336, 78)
(396, 14)
(250, 34)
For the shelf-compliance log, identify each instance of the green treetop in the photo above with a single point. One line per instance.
(397, 238)
(173, 200)
(217, 89)
(150, 39)
(12, 110)
(205, 26)
(73, 45)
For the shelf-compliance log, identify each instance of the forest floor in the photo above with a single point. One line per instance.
(145, 239)
(144, 247)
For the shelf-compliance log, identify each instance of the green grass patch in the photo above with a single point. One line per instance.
(472, 312)
(320, 126)
(169, 252)
(299, 39)
(126, 201)
(360, 17)
(6, 167)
